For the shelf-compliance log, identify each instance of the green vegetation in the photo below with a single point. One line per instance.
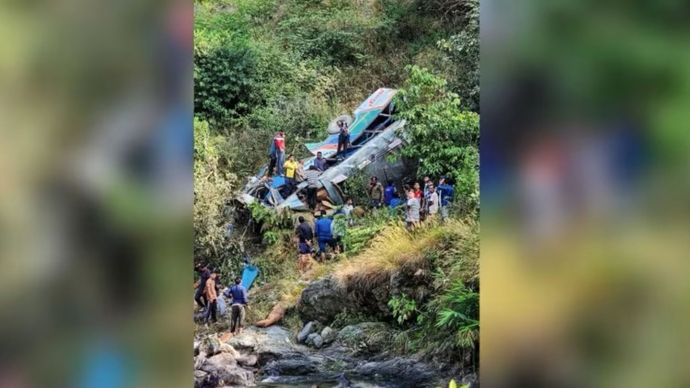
(443, 321)
(293, 65)
(440, 135)
(402, 308)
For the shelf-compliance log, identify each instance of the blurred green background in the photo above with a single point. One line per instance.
(584, 185)
(96, 193)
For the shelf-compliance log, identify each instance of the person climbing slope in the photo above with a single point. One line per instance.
(323, 233)
(304, 244)
(238, 294)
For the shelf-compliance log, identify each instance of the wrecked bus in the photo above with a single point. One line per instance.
(373, 134)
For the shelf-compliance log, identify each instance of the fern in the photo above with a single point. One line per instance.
(459, 313)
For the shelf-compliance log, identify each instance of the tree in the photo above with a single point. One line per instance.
(439, 134)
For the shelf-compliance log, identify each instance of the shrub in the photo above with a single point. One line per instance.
(402, 308)
(224, 82)
(458, 313)
(212, 187)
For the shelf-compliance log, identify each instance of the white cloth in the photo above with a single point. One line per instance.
(433, 203)
(413, 210)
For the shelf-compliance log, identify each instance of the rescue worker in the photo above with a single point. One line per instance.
(238, 294)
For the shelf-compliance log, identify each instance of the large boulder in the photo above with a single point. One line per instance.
(223, 368)
(366, 337)
(404, 371)
(321, 301)
(329, 335)
(211, 345)
(298, 365)
(267, 344)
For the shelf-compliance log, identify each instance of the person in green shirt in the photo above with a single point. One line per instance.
(338, 230)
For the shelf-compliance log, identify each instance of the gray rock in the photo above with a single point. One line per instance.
(221, 360)
(317, 341)
(211, 345)
(266, 343)
(471, 380)
(310, 339)
(397, 370)
(298, 365)
(223, 368)
(321, 301)
(329, 335)
(247, 360)
(366, 337)
(306, 330)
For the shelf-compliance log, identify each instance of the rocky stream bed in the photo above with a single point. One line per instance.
(317, 356)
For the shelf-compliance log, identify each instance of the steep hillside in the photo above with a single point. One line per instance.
(293, 65)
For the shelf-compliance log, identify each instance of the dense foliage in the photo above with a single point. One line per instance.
(265, 65)
(213, 184)
(439, 134)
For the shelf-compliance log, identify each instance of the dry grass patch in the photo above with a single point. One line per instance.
(393, 249)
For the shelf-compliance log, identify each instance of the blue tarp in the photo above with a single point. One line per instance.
(249, 274)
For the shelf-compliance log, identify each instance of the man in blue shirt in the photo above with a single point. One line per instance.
(445, 193)
(322, 230)
(389, 193)
(239, 301)
(320, 162)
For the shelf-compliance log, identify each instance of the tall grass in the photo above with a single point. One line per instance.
(447, 324)
(395, 248)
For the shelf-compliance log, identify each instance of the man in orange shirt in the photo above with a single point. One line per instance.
(211, 296)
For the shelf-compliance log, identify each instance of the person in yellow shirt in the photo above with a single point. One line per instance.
(290, 167)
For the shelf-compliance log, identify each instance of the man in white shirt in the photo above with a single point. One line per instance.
(413, 206)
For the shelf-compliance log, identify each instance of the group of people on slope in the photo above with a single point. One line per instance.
(432, 199)
(206, 297)
(425, 204)
(293, 170)
(328, 232)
